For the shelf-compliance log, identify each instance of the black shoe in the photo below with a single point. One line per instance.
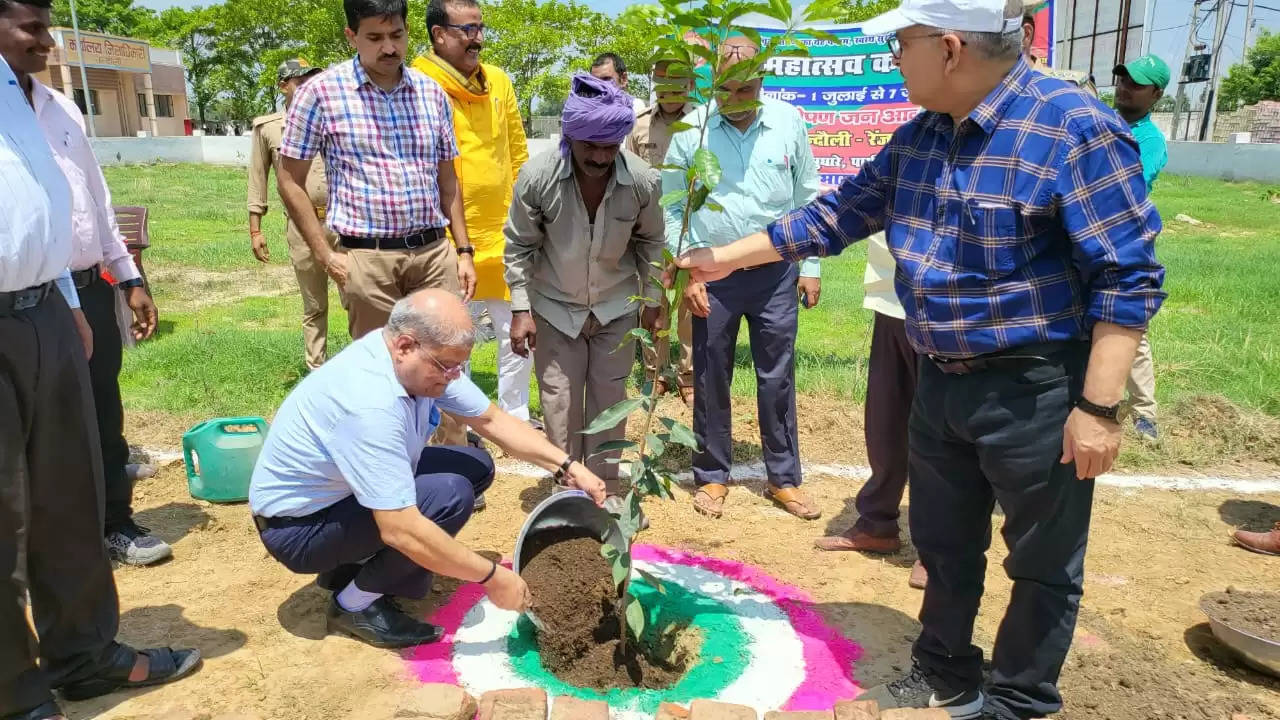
(919, 690)
(382, 625)
(44, 712)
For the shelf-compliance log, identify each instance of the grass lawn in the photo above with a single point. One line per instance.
(230, 341)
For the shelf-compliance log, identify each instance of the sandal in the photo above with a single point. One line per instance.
(47, 711)
(709, 499)
(792, 500)
(164, 665)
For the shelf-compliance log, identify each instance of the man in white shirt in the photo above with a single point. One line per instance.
(346, 487)
(51, 548)
(96, 243)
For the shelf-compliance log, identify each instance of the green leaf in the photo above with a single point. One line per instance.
(714, 206)
(619, 566)
(639, 334)
(652, 580)
(654, 445)
(610, 418)
(822, 10)
(674, 196)
(635, 616)
(780, 10)
(669, 167)
(740, 107)
(820, 34)
(680, 433)
(708, 166)
(680, 126)
(699, 198)
(609, 552)
(613, 446)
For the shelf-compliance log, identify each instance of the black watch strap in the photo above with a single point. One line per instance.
(563, 471)
(1111, 412)
(468, 250)
(136, 282)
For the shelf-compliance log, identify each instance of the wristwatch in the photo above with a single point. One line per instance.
(136, 282)
(563, 471)
(468, 250)
(1107, 412)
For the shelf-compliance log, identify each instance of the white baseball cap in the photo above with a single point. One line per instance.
(963, 15)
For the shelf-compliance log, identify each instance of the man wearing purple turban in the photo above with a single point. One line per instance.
(583, 233)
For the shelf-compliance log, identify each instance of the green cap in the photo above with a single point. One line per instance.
(296, 67)
(1146, 70)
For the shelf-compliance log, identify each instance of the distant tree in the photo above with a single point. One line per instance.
(1256, 79)
(859, 10)
(194, 33)
(113, 17)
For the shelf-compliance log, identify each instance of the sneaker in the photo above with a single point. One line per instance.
(1146, 427)
(480, 503)
(132, 544)
(382, 625)
(918, 690)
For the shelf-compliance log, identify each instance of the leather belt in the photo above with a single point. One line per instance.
(261, 523)
(406, 242)
(1010, 358)
(84, 278)
(19, 300)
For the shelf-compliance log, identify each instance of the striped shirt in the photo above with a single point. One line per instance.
(381, 149)
(1029, 224)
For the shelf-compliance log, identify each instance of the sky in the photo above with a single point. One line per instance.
(1168, 41)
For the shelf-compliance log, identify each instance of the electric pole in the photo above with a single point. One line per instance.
(1211, 104)
(1248, 28)
(1180, 99)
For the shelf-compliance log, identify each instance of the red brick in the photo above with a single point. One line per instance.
(435, 701)
(932, 714)
(857, 710)
(672, 711)
(522, 704)
(799, 715)
(571, 708)
(711, 710)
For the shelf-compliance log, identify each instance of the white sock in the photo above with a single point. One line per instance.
(353, 599)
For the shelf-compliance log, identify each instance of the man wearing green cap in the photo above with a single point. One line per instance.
(1139, 86)
(313, 281)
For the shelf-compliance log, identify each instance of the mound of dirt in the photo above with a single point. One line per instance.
(576, 600)
(1256, 613)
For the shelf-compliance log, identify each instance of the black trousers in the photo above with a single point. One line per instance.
(891, 389)
(98, 302)
(997, 435)
(341, 543)
(50, 511)
(766, 297)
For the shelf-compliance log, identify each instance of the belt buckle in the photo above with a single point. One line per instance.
(29, 298)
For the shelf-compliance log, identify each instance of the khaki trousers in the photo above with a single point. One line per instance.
(662, 348)
(313, 282)
(580, 377)
(376, 279)
(1142, 382)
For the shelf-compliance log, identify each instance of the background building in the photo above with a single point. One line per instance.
(1093, 36)
(133, 87)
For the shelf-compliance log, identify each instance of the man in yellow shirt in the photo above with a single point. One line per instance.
(492, 147)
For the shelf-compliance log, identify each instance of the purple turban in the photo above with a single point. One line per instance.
(596, 111)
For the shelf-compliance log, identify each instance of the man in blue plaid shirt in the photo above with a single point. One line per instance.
(1017, 213)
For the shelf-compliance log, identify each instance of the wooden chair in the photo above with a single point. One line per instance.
(133, 225)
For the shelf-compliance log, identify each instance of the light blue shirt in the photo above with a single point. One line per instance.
(766, 172)
(1152, 149)
(35, 201)
(350, 428)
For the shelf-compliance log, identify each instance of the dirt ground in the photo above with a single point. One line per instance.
(1143, 649)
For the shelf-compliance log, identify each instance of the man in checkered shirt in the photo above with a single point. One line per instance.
(385, 132)
(1016, 211)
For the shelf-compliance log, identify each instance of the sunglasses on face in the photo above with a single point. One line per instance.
(471, 30)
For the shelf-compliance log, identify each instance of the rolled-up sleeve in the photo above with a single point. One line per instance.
(368, 447)
(304, 125)
(524, 234)
(1112, 226)
(832, 222)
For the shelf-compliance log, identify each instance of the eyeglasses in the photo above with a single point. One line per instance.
(450, 372)
(895, 42)
(471, 30)
(739, 52)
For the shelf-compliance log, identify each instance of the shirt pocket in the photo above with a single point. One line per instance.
(989, 241)
(622, 214)
(769, 176)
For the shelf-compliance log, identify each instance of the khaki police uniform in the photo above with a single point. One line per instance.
(313, 281)
(650, 139)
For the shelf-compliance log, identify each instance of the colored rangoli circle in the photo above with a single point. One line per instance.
(763, 643)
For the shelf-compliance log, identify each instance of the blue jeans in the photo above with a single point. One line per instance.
(342, 543)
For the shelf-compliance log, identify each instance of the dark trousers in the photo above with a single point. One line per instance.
(766, 297)
(50, 511)
(997, 435)
(891, 388)
(342, 542)
(98, 301)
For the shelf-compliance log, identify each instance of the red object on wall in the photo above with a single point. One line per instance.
(186, 126)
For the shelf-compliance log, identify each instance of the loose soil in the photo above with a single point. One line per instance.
(1256, 613)
(576, 601)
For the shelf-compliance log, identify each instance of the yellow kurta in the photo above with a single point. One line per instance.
(491, 147)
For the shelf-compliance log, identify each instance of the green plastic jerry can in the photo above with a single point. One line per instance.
(220, 456)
